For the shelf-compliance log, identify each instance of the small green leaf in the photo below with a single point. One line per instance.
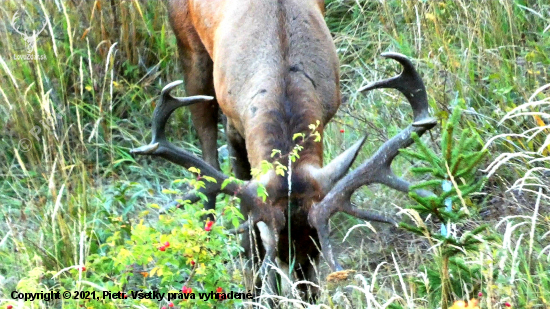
(202, 196)
(317, 137)
(262, 192)
(226, 182)
(274, 152)
(210, 179)
(296, 135)
(199, 185)
(235, 222)
(194, 170)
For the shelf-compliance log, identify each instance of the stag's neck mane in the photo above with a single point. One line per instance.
(274, 125)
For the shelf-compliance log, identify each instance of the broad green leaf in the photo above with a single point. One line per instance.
(210, 179)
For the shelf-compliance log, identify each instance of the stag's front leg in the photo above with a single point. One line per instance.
(198, 71)
(205, 121)
(238, 153)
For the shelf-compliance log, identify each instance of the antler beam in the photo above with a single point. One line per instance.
(160, 146)
(255, 210)
(377, 169)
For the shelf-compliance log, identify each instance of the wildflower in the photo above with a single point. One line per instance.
(472, 304)
(219, 290)
(208, 226)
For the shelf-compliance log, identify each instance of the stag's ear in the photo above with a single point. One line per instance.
(328, 175)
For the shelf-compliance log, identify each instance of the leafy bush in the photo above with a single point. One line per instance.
(176, 253)
(173, 253)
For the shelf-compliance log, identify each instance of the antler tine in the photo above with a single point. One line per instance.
(376, 169)
(270, 228)
(410, 84)
(242, 228)
(43, 27)
(12, 24)
(160, 146)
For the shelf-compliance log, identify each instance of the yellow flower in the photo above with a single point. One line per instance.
(472, 304)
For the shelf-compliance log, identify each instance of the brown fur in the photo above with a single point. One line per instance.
(273, 69)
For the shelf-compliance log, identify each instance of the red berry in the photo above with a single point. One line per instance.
(171, 305)
(9, 306)
(83, 268)
(167, 244)
(219, 290)
(479, 294)
(162, 248)
(192, 263)
(208, 226)
(342, 130)
(163, 307)
(507, 304)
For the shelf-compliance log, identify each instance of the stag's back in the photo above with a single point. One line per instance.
(275, 66)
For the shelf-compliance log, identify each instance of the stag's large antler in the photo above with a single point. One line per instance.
(160, 146)
(250, 203)
(377, 169)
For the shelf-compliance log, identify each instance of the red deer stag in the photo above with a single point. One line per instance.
(273, 70)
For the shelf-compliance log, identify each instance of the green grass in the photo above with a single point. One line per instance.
(67, 180)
